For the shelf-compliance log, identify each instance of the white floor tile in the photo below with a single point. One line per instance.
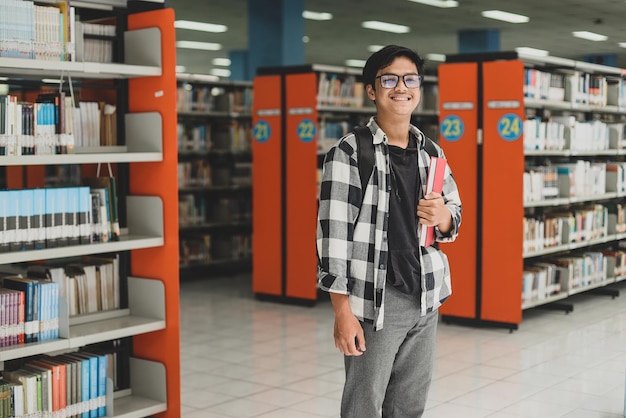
(241, 357)
(448, 410)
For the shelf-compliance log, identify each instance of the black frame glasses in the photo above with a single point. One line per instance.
(390, 80)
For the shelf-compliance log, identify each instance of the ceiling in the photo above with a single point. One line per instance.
(433, 30)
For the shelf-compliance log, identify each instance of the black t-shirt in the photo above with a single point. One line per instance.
(404, 272)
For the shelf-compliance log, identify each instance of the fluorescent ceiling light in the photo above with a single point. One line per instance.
(355, 63)
(307, 14)
(223, 62)
(436, 57)
(200, 26)
(438, 3)
(51, 81)
(4, 78)
(532, 51)
(590, 36)
(505, 16)
(180, 68)
(375, 48)
(220, 72)
(385, 27)
(622, 44)
(205, 46)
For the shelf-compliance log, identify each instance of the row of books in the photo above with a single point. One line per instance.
(52, 125)
(199, 210)
(340, 90)
(575, 87)
(204, 248)
(97, 48)
(29, 310)
(194, 136)
(37, 32)
(207, 98)
(89, 285)
(562, 275)
(565, 133)
(56, 217)
(564, 227)
(30, 301)
(543, 85)
(53, 33)
(194, 173)
(68, 385)
(235, 136)
(579, 179)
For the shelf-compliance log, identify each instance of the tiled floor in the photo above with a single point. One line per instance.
(245, 358)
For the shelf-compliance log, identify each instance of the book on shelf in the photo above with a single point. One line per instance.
(58, 379)
(28, 381)
(107, 188)
(82, 383)
(30, 287)
(434, 183)
(44, 378)
(108, 277)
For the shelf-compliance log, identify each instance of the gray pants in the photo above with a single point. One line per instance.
(391, 379)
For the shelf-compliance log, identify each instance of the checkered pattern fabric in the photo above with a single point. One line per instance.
(352, 240)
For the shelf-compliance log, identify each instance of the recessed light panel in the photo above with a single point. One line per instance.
(505, 16)
(445, 4)
(385, 27)
(205, 46)
(200, 26)
(590, 36)
(307, 14)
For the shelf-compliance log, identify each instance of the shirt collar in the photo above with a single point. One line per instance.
(379, 135)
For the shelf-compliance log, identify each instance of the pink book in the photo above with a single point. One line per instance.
(434, 183)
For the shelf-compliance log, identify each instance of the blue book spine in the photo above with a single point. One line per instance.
(23, 225)
(50, 218)
(86, 392)
(55, 310)
(93, 384)
(38, 222)
(61, 208)
(84, 215)
(12, 219)
(102, 384)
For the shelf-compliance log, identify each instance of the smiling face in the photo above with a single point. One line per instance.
(400, 100)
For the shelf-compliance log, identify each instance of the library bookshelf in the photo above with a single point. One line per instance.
(298, 114)
(215, 175)
(537, 146)
(149, 239)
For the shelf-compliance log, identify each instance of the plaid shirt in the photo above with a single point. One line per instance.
(352, 236)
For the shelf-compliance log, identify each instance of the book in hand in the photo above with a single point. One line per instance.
(434, 183)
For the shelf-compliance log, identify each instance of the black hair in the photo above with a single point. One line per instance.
(385, 57)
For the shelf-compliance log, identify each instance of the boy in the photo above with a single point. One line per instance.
(371, 262)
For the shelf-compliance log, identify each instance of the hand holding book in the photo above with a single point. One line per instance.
(431, 209)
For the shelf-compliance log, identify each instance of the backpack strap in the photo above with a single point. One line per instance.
(365, 154)
(430, 148)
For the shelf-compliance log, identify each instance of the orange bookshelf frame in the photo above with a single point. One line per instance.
(158, 94)
(284, 184)
(484, 91)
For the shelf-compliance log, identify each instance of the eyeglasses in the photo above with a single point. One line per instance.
(390, 81)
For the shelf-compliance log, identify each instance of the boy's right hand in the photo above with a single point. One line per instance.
(348, 333)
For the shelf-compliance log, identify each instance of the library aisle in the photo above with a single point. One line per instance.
(245, 358)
